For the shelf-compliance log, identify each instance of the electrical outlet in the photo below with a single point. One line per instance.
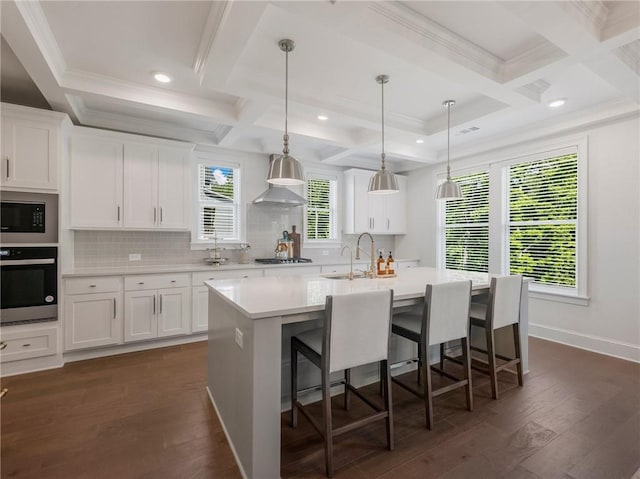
(239, 336)
(325, 252)
(135, 257)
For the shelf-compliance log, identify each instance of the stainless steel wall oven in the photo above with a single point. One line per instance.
(29, 284)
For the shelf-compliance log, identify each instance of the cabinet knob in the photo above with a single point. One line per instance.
(3, 393)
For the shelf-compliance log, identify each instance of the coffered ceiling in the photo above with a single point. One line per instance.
(501, 61)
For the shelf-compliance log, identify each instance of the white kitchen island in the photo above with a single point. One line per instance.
(248, 318)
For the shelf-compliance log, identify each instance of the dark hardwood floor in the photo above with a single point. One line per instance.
(147, 415)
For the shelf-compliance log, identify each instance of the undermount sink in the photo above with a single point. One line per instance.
(357, 275)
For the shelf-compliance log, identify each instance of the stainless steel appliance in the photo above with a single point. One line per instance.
(29, 287)
(281, 260)
(28, 218)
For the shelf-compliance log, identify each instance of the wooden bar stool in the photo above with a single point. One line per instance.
(356, 331)
(445, 317)
(502, 310)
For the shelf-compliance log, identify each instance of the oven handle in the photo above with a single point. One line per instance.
(27, 262)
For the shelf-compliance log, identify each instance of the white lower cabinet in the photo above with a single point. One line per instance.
(27, 343)
(93, 312)
(152, 312)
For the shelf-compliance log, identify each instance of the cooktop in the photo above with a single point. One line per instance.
(282, 261)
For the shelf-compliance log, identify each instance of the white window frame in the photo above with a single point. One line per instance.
(498, 210)
(212, 160)
(334, 240)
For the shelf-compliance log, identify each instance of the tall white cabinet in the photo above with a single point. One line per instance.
(126, 181)
(376, 214)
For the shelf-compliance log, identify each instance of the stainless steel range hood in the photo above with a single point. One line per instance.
(279, 196)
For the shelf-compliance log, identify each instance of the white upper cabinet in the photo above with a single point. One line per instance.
(30, 148)
(96, 182)
(378, 214)
(145, 184)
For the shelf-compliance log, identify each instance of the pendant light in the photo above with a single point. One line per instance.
(383, 182)
(449, 190)
(285, 169)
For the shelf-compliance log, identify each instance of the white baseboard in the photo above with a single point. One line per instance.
(80, 355)
(617, 349)
(226, 433)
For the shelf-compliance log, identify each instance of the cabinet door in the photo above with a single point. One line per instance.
(173, 311)
(140, 315)
(140, 186)
(96, 183)
(173, 188)
(396, 208)
(92, 320)
(29, 154)
(200, 309)
(378, 213)
(357, 217)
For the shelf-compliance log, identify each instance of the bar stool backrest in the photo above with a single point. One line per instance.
(447, 311)
(504, 300)
(357, 329)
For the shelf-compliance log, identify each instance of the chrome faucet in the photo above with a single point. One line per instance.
(350, 260)
(373, 253)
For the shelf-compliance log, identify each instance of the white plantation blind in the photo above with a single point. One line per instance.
(542, 220)
(466, 225)
(321, 209)
(218, 202)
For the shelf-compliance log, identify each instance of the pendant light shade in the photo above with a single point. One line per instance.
(449, 190)
(383, 182)
(285, 169)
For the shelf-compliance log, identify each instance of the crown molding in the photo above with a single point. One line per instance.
(534, 90)
(530, 61)
(441, 40)
(40, 30)
(630, 55)
(150, 97)
(592, 14)
(218, 14)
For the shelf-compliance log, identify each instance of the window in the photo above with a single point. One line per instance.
(218, 202)
(466, 225)
(542, 220)
(320, 218)
(524, 215)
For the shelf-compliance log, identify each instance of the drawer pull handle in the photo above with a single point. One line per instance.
(7, 167)
(155, 214)
(173, 280)
(210, 279)
(3, 345)
(246, 276)
(114, 308)
(3, 393)
(160, 215)
(118, 213)
(140, 282)
(160, 311)
(26, 345)
(154, 304)
(92, 285)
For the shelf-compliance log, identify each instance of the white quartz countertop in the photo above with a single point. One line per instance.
(284, 295)
(188, 268)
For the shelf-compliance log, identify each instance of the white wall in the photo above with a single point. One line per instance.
(610, 323)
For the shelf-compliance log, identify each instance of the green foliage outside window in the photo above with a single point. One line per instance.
(543, 207)
(320, 193)
(467, 225)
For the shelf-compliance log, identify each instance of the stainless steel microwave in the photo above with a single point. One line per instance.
(28, 218)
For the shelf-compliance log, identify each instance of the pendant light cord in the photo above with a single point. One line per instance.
(285, 150)
(383, 154)
(448, 140)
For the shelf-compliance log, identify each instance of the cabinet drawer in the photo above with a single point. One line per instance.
(100, 284)
(29, 344)
(200, 277)
(156, 281)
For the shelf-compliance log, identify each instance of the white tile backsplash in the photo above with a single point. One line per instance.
(265, 225)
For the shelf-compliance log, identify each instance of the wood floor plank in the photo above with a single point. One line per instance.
(147, 415)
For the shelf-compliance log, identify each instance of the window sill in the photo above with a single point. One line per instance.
(318, 245)
(560, 298)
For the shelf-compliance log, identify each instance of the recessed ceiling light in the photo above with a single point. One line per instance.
(323, 117)
(556, 103)
(162, 77)
(419, 141)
